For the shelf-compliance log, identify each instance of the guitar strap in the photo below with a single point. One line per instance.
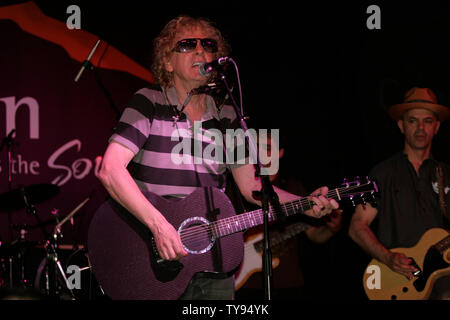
(442, 203)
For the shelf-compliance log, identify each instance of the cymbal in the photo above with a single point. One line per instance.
(15, 247)
(34, 194)
(34, 226)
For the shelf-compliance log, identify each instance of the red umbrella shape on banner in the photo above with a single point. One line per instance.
(65, 152)
(77, 43)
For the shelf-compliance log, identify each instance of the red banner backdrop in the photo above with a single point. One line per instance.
(59, 128)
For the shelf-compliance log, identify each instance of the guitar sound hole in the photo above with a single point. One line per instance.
(196, 235)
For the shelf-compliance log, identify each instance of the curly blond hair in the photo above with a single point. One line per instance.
(163, 45)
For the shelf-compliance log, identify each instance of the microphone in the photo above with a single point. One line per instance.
(87, 61)
(206, 68)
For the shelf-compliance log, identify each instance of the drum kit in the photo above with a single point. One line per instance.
(39, 269)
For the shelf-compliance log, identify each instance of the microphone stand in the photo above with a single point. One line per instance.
(9, 142)
(267, 192)
(105, 91)
(87, 64)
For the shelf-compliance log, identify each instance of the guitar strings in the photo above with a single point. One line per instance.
(246, 217)
(192, 233)
(216, 228)
(191, 237)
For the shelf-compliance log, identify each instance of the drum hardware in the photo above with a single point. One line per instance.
(54, 276)
(13, 263)
(57, 229)
(9, 142)
(37, 193)
(14, 252)
(25, 197)
(54, 266)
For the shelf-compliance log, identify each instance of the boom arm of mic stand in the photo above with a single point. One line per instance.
(105, 91)
(268, 194)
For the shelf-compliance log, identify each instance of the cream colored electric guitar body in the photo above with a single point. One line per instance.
(431, 254)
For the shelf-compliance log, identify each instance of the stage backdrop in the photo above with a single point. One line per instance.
(59, 128)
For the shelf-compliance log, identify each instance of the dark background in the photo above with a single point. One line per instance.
(314, 70)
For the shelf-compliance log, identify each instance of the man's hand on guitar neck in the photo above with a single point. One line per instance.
(247, 182)
(323, 205)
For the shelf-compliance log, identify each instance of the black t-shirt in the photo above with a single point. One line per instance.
(409, 202)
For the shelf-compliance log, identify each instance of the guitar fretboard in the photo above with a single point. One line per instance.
(443, 245)
(254, 218)
(278, 237)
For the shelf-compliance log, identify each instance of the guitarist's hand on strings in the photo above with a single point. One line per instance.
(323, 205)
(168, 242)
(400, 263)
(121, 186)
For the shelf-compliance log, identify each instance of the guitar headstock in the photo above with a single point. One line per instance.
(359, 191)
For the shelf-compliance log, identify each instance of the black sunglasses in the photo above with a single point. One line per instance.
(188, 45)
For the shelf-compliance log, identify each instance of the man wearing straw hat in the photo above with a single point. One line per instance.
(410, 202)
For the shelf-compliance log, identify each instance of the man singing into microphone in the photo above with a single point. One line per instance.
(138, 156)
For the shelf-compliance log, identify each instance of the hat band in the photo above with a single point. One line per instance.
(418, 100)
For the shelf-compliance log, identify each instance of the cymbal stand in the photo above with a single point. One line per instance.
(8, 141)
(53, 263)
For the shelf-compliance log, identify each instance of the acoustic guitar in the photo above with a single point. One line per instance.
(125, 260)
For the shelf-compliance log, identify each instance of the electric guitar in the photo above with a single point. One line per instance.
(125, 260)
(253, 249)
(431, 255)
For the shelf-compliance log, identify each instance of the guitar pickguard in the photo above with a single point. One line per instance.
(429, 255)
(433, 261)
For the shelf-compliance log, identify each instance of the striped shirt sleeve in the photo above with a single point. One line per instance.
(133, 128)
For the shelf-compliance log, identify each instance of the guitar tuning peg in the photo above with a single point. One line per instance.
(345, 182)
(357, 180)
(373, 200)
(363, 199)
(352, 201)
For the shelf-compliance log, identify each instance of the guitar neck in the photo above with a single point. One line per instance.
(443, 245)
(279, 237)
(255, 218)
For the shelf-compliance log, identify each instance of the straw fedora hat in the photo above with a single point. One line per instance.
(422, 98)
